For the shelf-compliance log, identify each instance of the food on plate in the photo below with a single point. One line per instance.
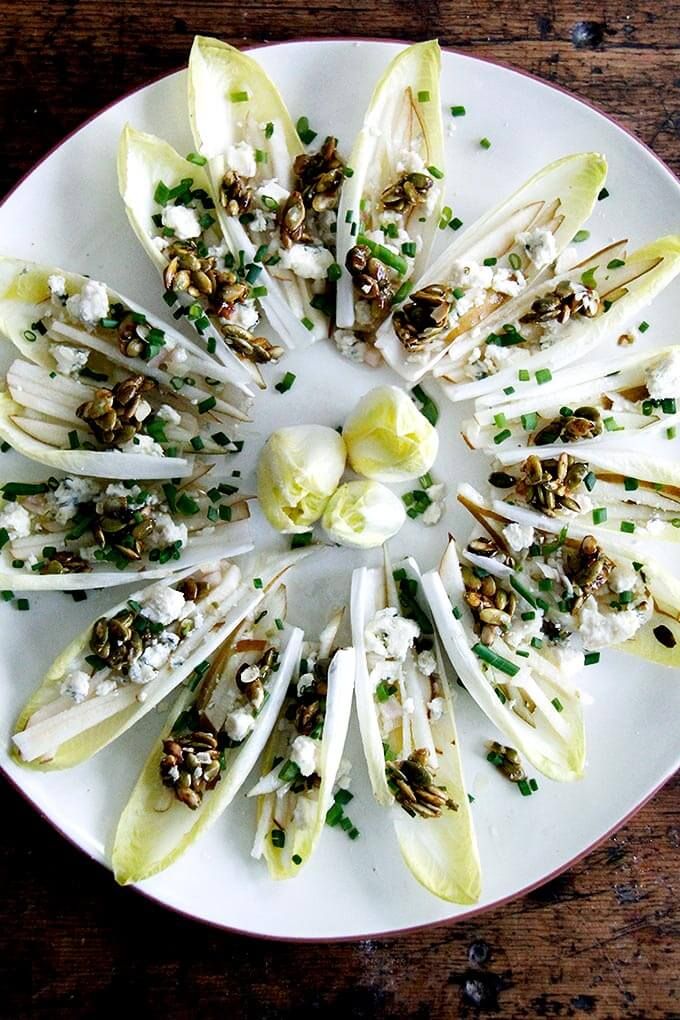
(109, 390)
(616, 402)
(75, 533)
(272, 197)
(408, 731)
(391, 204)
(559, 320)
(214, 734)
(363, 515)
(481, 272)
(388, 439)
(298, 470)
(134, 655)
(303, 771)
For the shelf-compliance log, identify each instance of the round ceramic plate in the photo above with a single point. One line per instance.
(67, 212)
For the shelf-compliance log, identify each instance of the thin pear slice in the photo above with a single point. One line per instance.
(555, 201)
(401, 132)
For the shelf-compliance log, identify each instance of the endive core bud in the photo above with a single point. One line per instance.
(387, 437)
(363, 515)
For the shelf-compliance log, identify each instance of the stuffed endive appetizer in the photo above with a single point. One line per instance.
(628, 491)
(75, 533)
(621, 401)
(482, 271)
(216, 290)
(134, 656)
(390, 206)
(302, 766)
(559, 320)
(213, 736)
(105, 392)
(272, 198)
(408, 731)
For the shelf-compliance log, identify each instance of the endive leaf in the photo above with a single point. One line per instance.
(77, 731)
(144, 163)
(403, 120)
(301, 838)
(149, 837)
(554, 741)
(653, 268)
(441, 852)
(232, 100)
(557, 199)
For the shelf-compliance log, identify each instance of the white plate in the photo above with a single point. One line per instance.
(67, 212)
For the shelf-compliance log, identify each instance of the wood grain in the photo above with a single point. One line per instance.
(600, 941)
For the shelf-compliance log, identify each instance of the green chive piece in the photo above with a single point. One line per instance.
(299, 541)
(543, 375)
(196, 158)
(602, 194)
(671, 432)
(523, 375)
(590, 481)
(495, 660)
(615, 264)
(627, 527)
(23, 605)
(423, 96)
(588, 278)
(590, 658)
(514, 260)
(197, 443)
(490, 262)
(580, 235)
(206, 405)
(485, 143)
(307, 323)
(458, 111)
(436, 172)
(500, 437)
(257, 583)
(526, 594)
(529, 421)
(286, 383)
(630, 484)
(456, 223)
(239, 97)
(334, 272)
(643, 327)
(305, 133)
(428, 408)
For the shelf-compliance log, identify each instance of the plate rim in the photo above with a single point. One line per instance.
(473, 911)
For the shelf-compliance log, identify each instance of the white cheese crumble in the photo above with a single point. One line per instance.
(161, 604)
(245, 314)
(304, 752)
(165, 532)
(436, 494)
(409, 161)
(68, 360)
(182, 220)
(57, 285)
(143, 444)
(307, 261)
(662, 377)
(349, 345)
(390, 635)
(508, 281)
(241, 159)
(154, 656)
(539, 244)
(623, 578)
(427, 664)
(76, 686)
(68, 495)
(271, 189)
(435, 709)
(16, 520)
(105, 687)
(599, 630)
(91, 304)
(169, 414)
(238, 725)
(518, 536)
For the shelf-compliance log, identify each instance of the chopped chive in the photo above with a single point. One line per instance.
(529, 421)
(590, 658)
(456, 223)
(588, 278)
(206, 405)
(456, 612)
(303, 539)
(409, 248)
(213, 514)
(403, 292)
(347, 171)
(543, 375)
(534, 785)
(643, 327)
(286, 383)
(630, 484)
(485, 143)
(508, 390)
(7, 595)
(197, 443)
(458, 111)
(626, 597)
(278, 838)
(536, 642)
(268, 129)
(490, 261)
(524, 655)
(239, 96)
(603, 193)
(514, 260)
(671, 432)
(334, 814)
(436, 172)
(307, 323)
(495, 660)
(257, 582)
(523, 375)
(529, 615)
(73, 440)
(580, 235)
(187, 506)
(612, 425)
(524, 788)
(305, 133)
(225, 512)
(545, 584)
(590, 481)
(628, 527)
(500, 437)
(428, 408)
(23, 605)
(196, 158)
(334, 272)
(260, 156)
(423, 96)
(615, 264)
(668, 405)
(526, 594)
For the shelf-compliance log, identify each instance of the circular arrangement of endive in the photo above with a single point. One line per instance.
(229, 432)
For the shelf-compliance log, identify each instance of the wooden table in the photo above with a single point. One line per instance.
(601, 940)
